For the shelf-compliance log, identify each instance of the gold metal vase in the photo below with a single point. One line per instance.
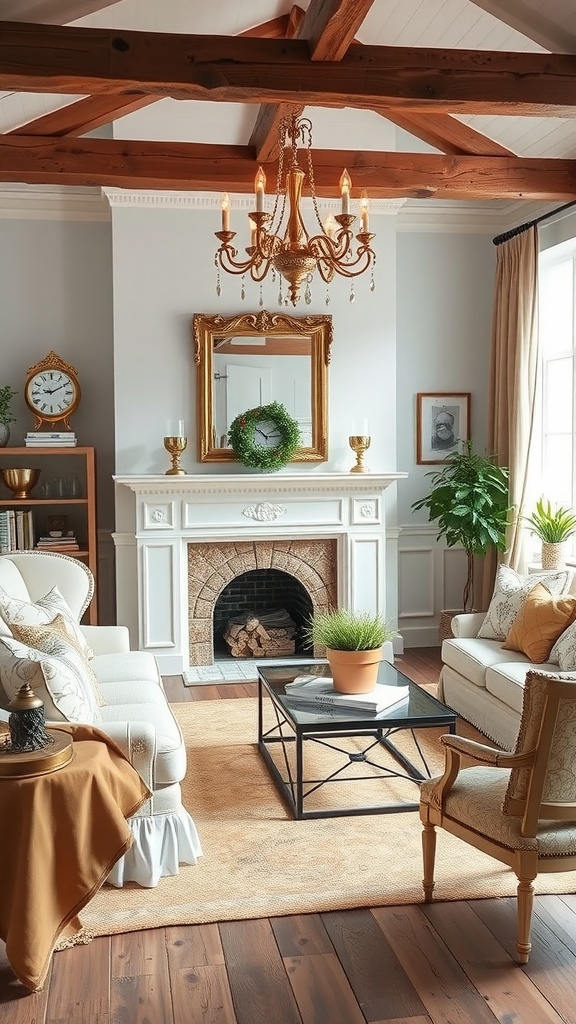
(359, 444)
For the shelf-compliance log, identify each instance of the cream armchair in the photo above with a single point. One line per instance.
(518, 807)
(136, 714)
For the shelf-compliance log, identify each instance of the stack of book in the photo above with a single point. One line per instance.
(50, 439)
(16, 530)
(67, 542)
(319, 690)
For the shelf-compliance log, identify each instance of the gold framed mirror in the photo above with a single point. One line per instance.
(253, 359)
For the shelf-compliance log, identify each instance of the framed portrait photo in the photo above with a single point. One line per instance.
(442, 421)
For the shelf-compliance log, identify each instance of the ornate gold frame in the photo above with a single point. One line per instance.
(205, 328)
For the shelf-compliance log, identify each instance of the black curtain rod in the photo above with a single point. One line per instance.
(507, 235)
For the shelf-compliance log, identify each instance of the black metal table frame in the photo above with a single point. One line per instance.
(292, 789)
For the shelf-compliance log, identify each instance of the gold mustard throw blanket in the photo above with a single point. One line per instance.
(61, 834)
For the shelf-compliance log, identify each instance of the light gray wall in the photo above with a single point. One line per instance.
(56, 293)
(444, 308)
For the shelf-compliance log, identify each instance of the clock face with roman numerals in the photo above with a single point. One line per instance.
(52, 394)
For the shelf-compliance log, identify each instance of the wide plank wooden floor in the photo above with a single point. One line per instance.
(445, 963)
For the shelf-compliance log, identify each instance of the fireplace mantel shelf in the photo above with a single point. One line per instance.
(265, 483)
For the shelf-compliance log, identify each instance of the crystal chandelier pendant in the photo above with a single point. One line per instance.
(327, 300)
(218, 286)
(261, 299)
(243, 289)
(308, 293)
(352, 296)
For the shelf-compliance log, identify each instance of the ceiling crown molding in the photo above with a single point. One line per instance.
(52, 202)
(212, 201)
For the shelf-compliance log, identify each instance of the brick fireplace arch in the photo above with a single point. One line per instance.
(211, 566)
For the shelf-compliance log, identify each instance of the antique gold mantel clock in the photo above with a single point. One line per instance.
(52, 392)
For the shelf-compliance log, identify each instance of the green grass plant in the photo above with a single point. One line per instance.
(553, 526)
(343, 630)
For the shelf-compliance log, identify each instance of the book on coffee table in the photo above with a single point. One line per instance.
(320, 690)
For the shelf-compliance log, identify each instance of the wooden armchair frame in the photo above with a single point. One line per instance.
(534, 795)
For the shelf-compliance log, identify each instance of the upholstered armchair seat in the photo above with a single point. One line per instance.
(134, 712)
(518, 807)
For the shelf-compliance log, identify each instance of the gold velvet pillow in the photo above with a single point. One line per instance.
(539, 623)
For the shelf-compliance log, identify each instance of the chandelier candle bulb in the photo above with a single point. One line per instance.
(259, 188)
(225, 212)
(345, 186)
(330, 226)
(364, 211)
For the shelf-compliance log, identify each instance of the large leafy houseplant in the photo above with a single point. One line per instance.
(469, 499)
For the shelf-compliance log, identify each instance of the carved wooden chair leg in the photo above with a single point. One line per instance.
(428, 856)
(525, 894)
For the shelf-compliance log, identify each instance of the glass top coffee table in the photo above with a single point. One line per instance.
(341, 744)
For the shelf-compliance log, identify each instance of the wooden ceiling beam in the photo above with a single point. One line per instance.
(329, 26)
(248, 70)
(83, 116)
(92, 112)
(446, 133)
(195, 167)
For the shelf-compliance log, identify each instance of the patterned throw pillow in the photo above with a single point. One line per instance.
(60, 681)
(57, 638)
(509, 595)
(563, 653)
(25, 613)
(540, 621)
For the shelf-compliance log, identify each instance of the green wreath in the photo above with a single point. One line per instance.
(247, 450)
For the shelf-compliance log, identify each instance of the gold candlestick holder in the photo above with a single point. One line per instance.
(359, 444)
(175, 446)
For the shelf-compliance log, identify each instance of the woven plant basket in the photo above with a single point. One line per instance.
(445, 625)
(552, 555)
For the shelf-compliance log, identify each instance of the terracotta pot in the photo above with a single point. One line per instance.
(354, 671)
(552, 555)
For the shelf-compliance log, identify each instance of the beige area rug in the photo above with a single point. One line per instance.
(259, 862)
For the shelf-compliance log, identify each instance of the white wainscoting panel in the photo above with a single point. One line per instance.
(159, 574)
(366, 560)
(431, 577)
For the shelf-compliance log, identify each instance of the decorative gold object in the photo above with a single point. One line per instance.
(52, 392)
(37, 762)
(359, 444)
(258, 334)
(175, 446)
(280, 241)
(20, 481)
(26, 722)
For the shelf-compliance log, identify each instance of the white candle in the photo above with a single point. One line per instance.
(345, 186)
(175, 428)
(360, 427)
(259, 187)
(364, 211)
(225, 212)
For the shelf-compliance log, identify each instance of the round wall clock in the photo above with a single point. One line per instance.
(266, 437)
(52, 391)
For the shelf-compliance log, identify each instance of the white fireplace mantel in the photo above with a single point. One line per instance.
(172, 512)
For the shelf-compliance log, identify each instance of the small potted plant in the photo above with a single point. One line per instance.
(354, 643)
(553, 526)
(6, 417)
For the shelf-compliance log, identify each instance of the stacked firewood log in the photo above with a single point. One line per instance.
(271, 635)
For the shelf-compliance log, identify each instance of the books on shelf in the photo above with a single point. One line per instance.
(320, 690)
(66, 543)
(16, 530)
(50, 439)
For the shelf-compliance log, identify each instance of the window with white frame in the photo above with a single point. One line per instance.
(557, 330)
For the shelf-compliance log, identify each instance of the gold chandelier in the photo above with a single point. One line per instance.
(279, 240)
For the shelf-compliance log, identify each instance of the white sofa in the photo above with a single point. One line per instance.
(136, 714)
(484, 683)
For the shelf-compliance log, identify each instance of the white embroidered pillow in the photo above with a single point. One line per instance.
(60, 681)
(13, 611)
(57, 638)
(510, 592)
(563, 653)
